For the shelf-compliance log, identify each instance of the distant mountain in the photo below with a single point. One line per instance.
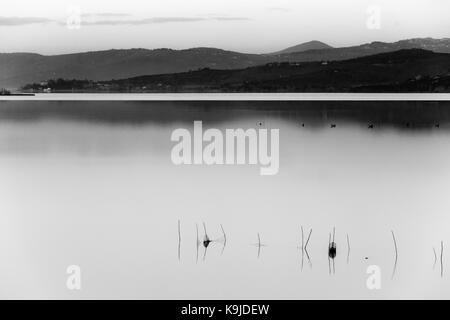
(17, 69)
(311, 45)
(345, 53)
(405, 70)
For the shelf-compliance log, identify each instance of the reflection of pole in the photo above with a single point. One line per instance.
(348, 249)
(259, 245)
(224, 239)
(303, 251)
(307, 240)
(329, 246)
(334, 268)
(435, 258)
(442, 266)
(197, 242)
(179, 240)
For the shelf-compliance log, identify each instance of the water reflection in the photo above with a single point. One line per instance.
(304, 248)
(396, 255)
(88, 182)
(332, 252)
(348, 249)
(259, 245)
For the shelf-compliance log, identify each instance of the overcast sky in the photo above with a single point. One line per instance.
(256, 26)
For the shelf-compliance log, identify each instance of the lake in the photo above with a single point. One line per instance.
(91, 183)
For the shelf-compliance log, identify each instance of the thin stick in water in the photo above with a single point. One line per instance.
(224, 234)
(206, 234)
(302, 238)
(307, 240)
(396, 254)
(224, 239)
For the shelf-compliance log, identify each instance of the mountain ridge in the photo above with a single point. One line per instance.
(406, 70)
(305, 46)
(18, 69)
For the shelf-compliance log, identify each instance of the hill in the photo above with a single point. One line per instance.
(407, 70)
(17, 69)
(311, 45)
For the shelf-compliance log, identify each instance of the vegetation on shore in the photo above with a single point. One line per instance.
(411, 70)
(4, 92)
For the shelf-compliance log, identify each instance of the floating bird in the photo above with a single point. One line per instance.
(333, 125)
(370, 126)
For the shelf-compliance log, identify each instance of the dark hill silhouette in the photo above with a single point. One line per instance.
(311, 45)
(400, 71)
(345, 53)
(17, 69)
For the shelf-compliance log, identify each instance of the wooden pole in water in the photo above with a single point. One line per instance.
(206, 234)
(224, 239)
(396, 254)
(224, 235)
(307, 240)
(302, 237)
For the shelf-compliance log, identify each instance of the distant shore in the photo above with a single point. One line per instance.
(17, 94)
(292, 96)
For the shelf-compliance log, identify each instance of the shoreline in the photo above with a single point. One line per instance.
(229, 97)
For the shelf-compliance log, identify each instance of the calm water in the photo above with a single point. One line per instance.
(91, 183)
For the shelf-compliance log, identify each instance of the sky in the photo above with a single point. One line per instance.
(253, 26)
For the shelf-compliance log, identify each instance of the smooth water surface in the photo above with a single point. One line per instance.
(91, 183)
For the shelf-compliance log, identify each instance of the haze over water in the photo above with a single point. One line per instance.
(91, 183)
